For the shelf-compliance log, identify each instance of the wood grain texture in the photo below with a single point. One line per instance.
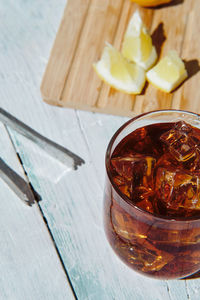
(69, 34)
(71, 201)
(84, 90)
(185, 96)
(167, 35)
(72, 205)
(99, 27)
(29, 265)
(109, 99)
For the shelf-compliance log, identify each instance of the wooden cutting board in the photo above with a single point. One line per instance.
(70, 80)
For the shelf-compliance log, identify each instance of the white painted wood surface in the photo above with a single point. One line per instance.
(29, 265)
(71, 201)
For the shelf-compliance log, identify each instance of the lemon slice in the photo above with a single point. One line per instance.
(137, 44)
(168, 73)
(115, 70)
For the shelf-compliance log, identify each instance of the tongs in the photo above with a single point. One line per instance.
(17, 184)
(56, 151)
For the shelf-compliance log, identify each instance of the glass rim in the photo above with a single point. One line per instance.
(114, 185)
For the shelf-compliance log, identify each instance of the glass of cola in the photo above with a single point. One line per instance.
(152, 193)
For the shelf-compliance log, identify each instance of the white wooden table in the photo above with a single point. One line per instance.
(57, 249)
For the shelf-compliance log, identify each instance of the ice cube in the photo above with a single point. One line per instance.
(137, 168)
(146, 205)
(148, 256)
(132, 242)
(153, 258)
(192, 132)
(184, 127)
(124, 165)
(127, 227)
(164, 184)
(143, 171)
(139, 134)
(142, 196)
(143, 256)
(170, 137)
(194, 165)
(167, 160)
(124, 185)
(184, 149)
(177, 191)
(180, 145)
(182, 141)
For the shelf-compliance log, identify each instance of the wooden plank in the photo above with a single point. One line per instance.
(178, 289)
(167, 36)
(62, 53)
(28, 258)
(102, 19)
(193, 288)
(110, 99)
(72, 204)
(80, 194)
(187, 97)
(84, 90)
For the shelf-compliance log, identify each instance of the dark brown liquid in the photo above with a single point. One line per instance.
(157, 168)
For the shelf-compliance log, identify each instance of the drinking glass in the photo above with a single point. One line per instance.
(158, 246)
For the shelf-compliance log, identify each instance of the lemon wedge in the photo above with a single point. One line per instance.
(168, 73)
(137, 44)
(119, 73)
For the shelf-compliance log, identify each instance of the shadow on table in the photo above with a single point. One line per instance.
(192, 66)
(158, 38)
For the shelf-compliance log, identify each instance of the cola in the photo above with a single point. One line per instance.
(156, 170)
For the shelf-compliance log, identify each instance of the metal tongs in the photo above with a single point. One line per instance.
(14, 181)
(17, 184)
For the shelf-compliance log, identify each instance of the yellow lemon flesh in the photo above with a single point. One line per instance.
(151, 2)
(119, 73)
(168, 73)
(137, 44)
